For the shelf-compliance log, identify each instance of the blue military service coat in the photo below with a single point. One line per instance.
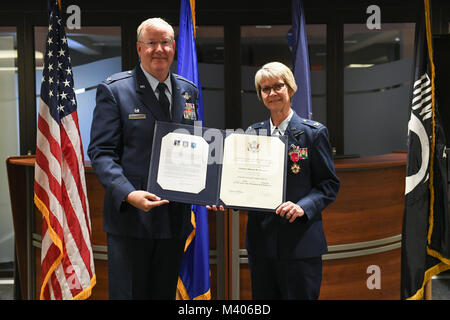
(120, 151)
(313, 187)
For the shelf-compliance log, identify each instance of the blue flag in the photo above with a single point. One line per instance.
(301, 101)
(194, 281)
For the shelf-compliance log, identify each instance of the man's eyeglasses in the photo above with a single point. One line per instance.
(153, 44)
(276, 87)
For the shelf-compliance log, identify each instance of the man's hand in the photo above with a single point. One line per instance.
(290, 211)
(144, 200)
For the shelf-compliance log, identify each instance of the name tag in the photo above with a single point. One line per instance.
(139, 116)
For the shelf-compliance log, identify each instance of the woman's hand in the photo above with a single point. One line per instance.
(290, 211)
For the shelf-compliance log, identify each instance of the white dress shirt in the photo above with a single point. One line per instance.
(154, 84)
(281, 129)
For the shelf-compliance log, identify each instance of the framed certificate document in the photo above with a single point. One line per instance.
(205, 166)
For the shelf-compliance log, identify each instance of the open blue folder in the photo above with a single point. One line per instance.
(183, 141)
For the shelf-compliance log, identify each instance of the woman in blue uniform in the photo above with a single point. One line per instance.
(285, 247)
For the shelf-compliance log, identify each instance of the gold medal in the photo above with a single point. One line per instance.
(295, 168)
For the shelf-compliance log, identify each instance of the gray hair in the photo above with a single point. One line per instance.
(153, 22)
(275, 70)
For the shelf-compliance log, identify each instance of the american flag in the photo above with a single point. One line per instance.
(59, 185)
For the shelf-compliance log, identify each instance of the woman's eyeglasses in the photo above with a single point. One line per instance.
(276, 87)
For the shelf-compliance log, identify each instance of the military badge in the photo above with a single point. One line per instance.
(295, 154)
(186, 96)
(295, 168)
(189, 111)
(303, 153)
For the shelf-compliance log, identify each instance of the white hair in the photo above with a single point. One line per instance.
(154, 22)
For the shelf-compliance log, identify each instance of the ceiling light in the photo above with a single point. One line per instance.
(360, 65)
(12, 54)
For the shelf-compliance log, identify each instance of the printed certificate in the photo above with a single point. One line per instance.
(253, 171)
(183, 163)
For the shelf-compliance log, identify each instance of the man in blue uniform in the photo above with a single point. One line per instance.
(145, 234)
(285, 247)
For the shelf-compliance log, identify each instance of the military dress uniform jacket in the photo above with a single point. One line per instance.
(313, 188)
(120, 150)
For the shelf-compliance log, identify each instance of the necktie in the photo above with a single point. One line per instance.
(163, 101)
(276, 132)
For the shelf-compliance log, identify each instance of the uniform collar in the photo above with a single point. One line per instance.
(154, 82)
(283, 125)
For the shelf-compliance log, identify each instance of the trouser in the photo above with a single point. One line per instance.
(143, 268)
(293, 279)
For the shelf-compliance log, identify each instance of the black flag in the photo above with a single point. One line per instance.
(425, 234)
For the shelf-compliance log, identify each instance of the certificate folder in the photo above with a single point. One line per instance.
(205, 166)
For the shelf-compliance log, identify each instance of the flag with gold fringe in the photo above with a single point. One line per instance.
(194, 277)
(59, 186)
(425, 234)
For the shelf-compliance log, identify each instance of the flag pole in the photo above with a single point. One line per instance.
(427, 288)
(428, 291)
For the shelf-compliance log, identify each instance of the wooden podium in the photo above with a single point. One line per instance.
(363, 229)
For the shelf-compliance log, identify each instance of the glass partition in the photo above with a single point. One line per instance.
(210, 56)
(95, 54)
(9, 134)
(377, 79)
(263, 44)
